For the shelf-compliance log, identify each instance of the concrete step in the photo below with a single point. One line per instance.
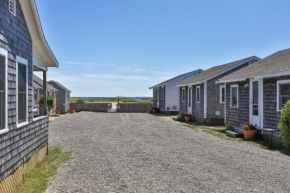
(233, 134)
(238, 129)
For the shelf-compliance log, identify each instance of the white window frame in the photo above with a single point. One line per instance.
(24, 62)
(14, 8)
(183, 94)
(162, 93)
(5, 54)
(279, 82)
(198, 87)
(234, 86)
(221, 94)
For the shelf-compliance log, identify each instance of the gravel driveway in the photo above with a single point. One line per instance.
(144, 153)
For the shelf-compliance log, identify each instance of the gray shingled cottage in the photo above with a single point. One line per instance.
(63, 96)
(166, 94)
(258, 92)
(23, 50)
(203, 98)
(38, 91)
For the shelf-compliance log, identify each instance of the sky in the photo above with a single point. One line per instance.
(109, 48)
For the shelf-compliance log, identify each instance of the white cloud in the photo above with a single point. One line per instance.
(119, 88)
(130, 69)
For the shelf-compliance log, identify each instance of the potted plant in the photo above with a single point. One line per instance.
(154, 110)
(57, 112)
(50, 104)
(249, 130)
(187, 117)
(71, 110)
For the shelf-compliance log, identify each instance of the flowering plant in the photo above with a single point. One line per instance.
(248, 126)
(186, 114)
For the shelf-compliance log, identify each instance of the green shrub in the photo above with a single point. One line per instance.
(50, 102)
(284, 125)
(80, 101)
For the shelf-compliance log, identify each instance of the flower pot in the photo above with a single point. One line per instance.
(249, 134)
(154, 110)
(187, 118)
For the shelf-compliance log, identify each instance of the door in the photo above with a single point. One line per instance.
(189, 103)
(254, 102)
(157, 97)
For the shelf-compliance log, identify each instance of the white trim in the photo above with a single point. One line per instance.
(5, 54)
(183, 94)
(196, 94)
(278, 92)
(39, 118)
(225, 106)
(233, 86)
(14, 8)
(24, 62)
(232, 80)
(189, 98)
(221, 93)
(273, 75)
(162, 93)
(205, 100)
(262, 102)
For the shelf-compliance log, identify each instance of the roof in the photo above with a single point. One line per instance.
(176, 77)
(58, 84)
(274, 65)
(38, 83)
(30, 13)
(215, 71)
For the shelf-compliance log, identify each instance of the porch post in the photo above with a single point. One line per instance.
(44, 92)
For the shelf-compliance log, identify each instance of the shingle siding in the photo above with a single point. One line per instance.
(272, 117)
(198, 108)
(63, 100)
(183, 104)
(161, 101)
(236, 116)
(19, 143)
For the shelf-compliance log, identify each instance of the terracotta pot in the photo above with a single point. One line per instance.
(187, 118)
(249, 134)
(154, 110)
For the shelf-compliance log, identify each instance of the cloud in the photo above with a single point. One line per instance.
(119, 88)
(116, 77)
(86, 63)
(130, 69)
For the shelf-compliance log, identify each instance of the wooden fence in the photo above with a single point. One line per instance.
(94, 107)
(135, 107)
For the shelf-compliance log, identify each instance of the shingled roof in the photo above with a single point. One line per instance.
(215, 71)
(176, 77)
(58, 84)
(278, 62)
(38, 83)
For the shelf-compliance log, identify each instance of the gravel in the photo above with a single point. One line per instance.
(144, 153)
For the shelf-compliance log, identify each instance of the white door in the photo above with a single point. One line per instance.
(158, 98)
(189, 102)
(255, 102)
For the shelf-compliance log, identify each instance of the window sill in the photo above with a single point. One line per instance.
(39, 118)
(234, 107)
(22, 124)
(3, 131)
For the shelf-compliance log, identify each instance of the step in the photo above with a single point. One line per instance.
(233, 134)
(238, 129)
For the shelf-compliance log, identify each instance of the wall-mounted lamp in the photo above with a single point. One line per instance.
(246, 85)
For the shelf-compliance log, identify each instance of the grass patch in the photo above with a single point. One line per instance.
(221, 133)
(37, 180)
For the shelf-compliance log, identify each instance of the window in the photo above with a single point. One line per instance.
(2, 92)
(12, 6)
(183, 94)
(198, 94)
(283, 93)
(255, 94)
(22, 91)
(222, 94)
(162, 93)
(234, 96)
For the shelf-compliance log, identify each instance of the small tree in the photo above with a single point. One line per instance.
(80, 101)
(50, 102)
(284, 125)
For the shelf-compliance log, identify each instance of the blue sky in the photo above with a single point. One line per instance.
(121, 47)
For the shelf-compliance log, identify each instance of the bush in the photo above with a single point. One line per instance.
(284, 125)
(50, 102)
(80, 101)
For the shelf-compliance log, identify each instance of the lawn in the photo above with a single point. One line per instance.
(37, 180)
